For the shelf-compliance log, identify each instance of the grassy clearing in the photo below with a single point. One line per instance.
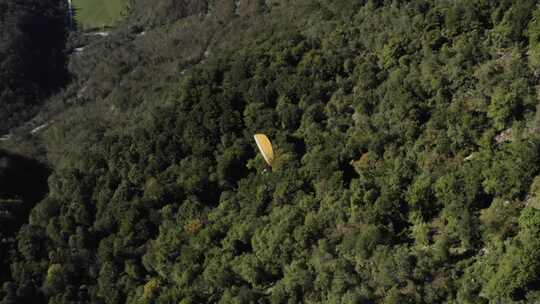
(98, 13)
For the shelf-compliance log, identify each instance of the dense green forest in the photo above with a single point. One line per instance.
(407, 170)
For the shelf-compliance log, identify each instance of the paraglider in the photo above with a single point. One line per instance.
(265, 147)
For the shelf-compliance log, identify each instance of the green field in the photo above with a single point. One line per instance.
(98, 13)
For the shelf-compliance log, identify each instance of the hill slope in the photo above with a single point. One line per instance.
(32, 60)
(407, 150)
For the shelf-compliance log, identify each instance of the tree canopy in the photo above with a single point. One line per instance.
(406, 170)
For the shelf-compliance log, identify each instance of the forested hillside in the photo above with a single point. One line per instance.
(407, 170)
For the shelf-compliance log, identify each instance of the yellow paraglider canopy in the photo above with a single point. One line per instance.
(265, 147)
